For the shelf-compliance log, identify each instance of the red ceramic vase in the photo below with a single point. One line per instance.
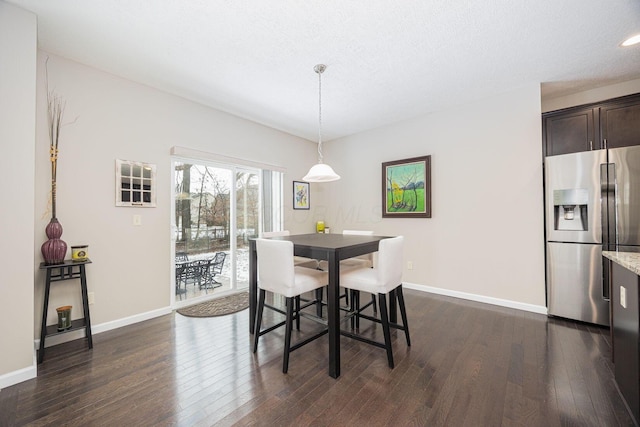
(54, 249)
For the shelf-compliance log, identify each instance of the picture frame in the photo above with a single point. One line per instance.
(301, 195)
(135, 184)
(406, 188)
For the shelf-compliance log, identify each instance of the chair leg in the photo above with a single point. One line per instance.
(375, 305)
(355, 308)
(297, 311)
(403, 313)
(384, 318)
(319, 296)
(258, 319)
(287, 335)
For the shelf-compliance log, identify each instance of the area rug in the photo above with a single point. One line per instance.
(217, 307)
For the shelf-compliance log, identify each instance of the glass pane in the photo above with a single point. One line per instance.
(137, 171)
(247, 219)
(136, 197)
(203, 227)
(125, 169)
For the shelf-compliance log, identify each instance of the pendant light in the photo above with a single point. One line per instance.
(320, 172)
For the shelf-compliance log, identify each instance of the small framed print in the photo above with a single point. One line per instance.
(406, 188)
(300, 195)
(135, 184)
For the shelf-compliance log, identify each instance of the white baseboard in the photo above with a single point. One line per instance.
(115, 324)
(478, 298)
(104, 327)
(18, 376)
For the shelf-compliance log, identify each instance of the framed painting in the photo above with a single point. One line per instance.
(300, 195)
(406, 188)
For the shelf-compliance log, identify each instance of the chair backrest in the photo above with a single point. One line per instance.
(275, 264)
(217, 262)
(358, 232)
(267, 234)
(389, 268)
(367, 257)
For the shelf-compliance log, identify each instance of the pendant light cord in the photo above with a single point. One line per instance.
(319, 69)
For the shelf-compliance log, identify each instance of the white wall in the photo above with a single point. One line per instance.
(17, 137)
(111, 118)
(485, 237)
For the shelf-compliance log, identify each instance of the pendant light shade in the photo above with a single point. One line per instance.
(320, 172)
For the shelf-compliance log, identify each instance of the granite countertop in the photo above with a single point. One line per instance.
(629, 260)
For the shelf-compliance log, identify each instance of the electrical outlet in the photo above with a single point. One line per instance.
(623, 297)
(137, 220)
(91, 297)
(409, 265)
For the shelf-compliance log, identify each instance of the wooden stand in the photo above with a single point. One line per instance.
(56, 273)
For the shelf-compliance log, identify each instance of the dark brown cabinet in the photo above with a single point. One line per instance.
(620, 124)
(626, 334)
(570, 131)
(609, 124)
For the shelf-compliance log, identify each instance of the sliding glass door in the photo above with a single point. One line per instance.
(218, 208)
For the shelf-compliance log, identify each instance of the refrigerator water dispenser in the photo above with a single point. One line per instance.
(570, 209)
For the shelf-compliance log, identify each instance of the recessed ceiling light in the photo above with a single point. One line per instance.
(631, 41)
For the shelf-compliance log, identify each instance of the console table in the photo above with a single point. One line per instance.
(56, 273)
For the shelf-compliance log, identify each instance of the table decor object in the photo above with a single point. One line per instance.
(64, 317)
(54, 249)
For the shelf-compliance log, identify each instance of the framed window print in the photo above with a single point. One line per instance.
(135, 184)
(300, 195)
(406, 188)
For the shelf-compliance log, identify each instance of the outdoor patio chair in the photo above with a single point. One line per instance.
(211, 270)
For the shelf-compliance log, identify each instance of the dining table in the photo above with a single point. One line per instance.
(330, 247)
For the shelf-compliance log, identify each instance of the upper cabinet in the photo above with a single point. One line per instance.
(620, 124)
(570, 131)
(610, 124)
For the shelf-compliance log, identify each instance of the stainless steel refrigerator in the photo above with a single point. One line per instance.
(592, 204)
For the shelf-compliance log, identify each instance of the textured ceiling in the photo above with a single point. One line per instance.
(387, 60)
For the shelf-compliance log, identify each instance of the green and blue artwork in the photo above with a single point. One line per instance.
(406, 188)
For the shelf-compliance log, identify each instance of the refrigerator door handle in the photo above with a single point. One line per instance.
(604, 188)
(608, 217)
(612, 213)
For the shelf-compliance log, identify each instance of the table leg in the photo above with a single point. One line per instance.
(85, 305)
(45, 308)
(253, 284)
(333, 315)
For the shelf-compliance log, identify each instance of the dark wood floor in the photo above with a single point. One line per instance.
(470, 365)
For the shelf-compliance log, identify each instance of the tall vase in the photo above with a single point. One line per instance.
(54, 249)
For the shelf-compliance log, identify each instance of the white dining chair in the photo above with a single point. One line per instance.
(365, 261)
(298, 260)
(277, 274)
(385, 277)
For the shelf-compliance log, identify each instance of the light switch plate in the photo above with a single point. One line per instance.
(137, 220)
(623, 297)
